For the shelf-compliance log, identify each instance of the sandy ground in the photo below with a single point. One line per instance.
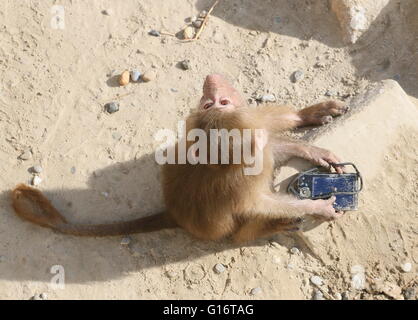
(99, 167)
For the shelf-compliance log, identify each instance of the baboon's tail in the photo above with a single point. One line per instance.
(31, 205)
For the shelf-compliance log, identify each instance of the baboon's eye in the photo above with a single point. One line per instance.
(207, 105)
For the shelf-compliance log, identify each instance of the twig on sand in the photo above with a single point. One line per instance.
(202, 27)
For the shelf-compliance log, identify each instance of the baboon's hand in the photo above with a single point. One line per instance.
(324, 158)
(325, 209)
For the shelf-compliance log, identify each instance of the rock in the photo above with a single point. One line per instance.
(193, 19)
(392, 290)
(356, 16)
(125, 241)
(316, 280)
(358, 281)
(268, 98)
(318, 295)
(294, 250)
(219, 268)
(338, 296)
(188, 33)
(256, 291)
(197, 24)
(154, 33)
(203, 14)
(409, 293)
(117, 135)
(149, 76)
(107, 12)
(406, 267)
(43, 296)
(36, 169)
(297, 76)
(73, 170)
(26, 155)
(290, 266)
(135, 75)
(124, 78)
(112, 107)
(185, 64)
(345, 296)
(36, 181)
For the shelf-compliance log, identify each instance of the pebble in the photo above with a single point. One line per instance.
(358, 281)
(297, 76)
(42, 296)
(135, 75)
(203, 14)
(219, 268)
(294, 250)
(112, 107)
(197, 23)
(256, 291)
(125, 241)
(409, 293)
(36, 169)
(185, 64)
(116, 135)
(105, 194)
(107, 12)
(345, 296)
(149, 76)
(26, 155)
(36, 181)
(73, 170)
(154, 33)
(268, 98)
(338, 296)
(316, 280)
(290, 266)
(188, 33)
(124, 78)
(318, 295)
(406, 267)
(193, 19)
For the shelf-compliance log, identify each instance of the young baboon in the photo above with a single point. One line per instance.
(217, 200)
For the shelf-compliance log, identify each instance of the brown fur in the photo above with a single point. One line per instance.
(215, 201)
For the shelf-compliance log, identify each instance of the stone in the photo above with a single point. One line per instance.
(406, 267)
(219, 268)
(36, 169)
(318, 295)
(154, 33)
(135, 75)
(112, 107)
(297, 76)
(188, 33)
(36, 180)
(378, 118)
(408, 293)
(124, 78)
(185, 64)
(268, 98)
(294, 250)
(107, 12)
(149, 76)
(338, 296)
(256, 291)
(203, 14)
(316, 280)
(197, 24)
(73, 170)
(356, 16)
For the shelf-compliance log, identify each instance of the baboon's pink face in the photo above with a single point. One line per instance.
(220, 95)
